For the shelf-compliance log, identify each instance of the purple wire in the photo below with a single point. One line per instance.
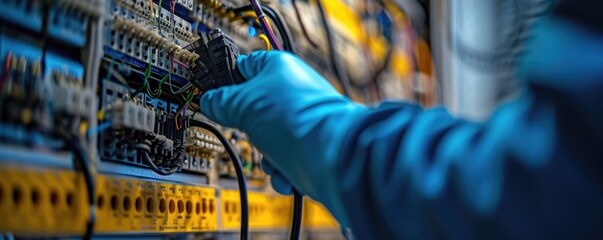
(267, 30)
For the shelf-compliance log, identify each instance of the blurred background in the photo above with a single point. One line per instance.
(98, 133)
(459, 53)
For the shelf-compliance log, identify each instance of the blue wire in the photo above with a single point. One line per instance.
(102, 127)
(252, 31)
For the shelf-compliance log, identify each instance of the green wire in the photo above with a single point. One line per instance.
(158, 13)
(159, 8)
(248, 167)
(147, 74)
(110, 70)
(189, 97)
(160, 89)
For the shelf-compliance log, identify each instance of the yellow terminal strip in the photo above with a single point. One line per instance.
(131, 205)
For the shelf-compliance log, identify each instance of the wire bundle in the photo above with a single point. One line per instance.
(265, 27)
(165, 168)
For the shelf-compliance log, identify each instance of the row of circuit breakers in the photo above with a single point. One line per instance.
(109, 74)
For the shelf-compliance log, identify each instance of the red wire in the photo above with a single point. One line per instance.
(180, 63)
(7, 60)
(176, 120)
(172, 8)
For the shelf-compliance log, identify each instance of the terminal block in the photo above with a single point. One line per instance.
(126, 114)
(74, 100)
(203, 141)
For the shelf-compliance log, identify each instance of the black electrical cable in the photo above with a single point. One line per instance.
(296, 222)
(236, 162)
(82, 161)
(259, 12)
(277, 20)
(302, 25)
(149, 161)
(338, 70)
(288, 46)
(45, 12)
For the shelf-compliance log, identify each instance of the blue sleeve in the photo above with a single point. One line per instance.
(532, 171)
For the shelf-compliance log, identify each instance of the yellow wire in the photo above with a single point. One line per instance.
(83, 127)
(157, 10)
(100, 115)
(152, 10)
(266, 41)
(252, 14)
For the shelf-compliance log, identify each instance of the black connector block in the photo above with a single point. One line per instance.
(217, 64)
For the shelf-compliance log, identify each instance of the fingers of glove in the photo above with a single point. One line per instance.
(252, 64)
(266, 167)
(280, 184)
(218, 106)
(278, 181)
(256, 62)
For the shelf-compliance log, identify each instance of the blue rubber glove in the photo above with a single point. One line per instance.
(277, 180)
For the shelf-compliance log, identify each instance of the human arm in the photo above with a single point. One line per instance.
(398, 171)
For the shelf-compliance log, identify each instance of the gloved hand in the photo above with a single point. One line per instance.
(291, 113)
(396, 171)
(277, 180)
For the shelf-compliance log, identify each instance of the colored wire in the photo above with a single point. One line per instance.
(102, 127)
(158, 18)
(177, 116)
(278, 22)
(172, 9)
(297, 197)
(180, 63)
(262, 19)
(338, 70)
(110, 70)
(171, 70)
(160, 86)
(236, 162)
(158, 8)
(7, 60)
(147, 73)
(189, 97)
(151, 9)
(302, 25)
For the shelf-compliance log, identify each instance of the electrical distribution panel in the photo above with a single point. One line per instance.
(109, 75)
